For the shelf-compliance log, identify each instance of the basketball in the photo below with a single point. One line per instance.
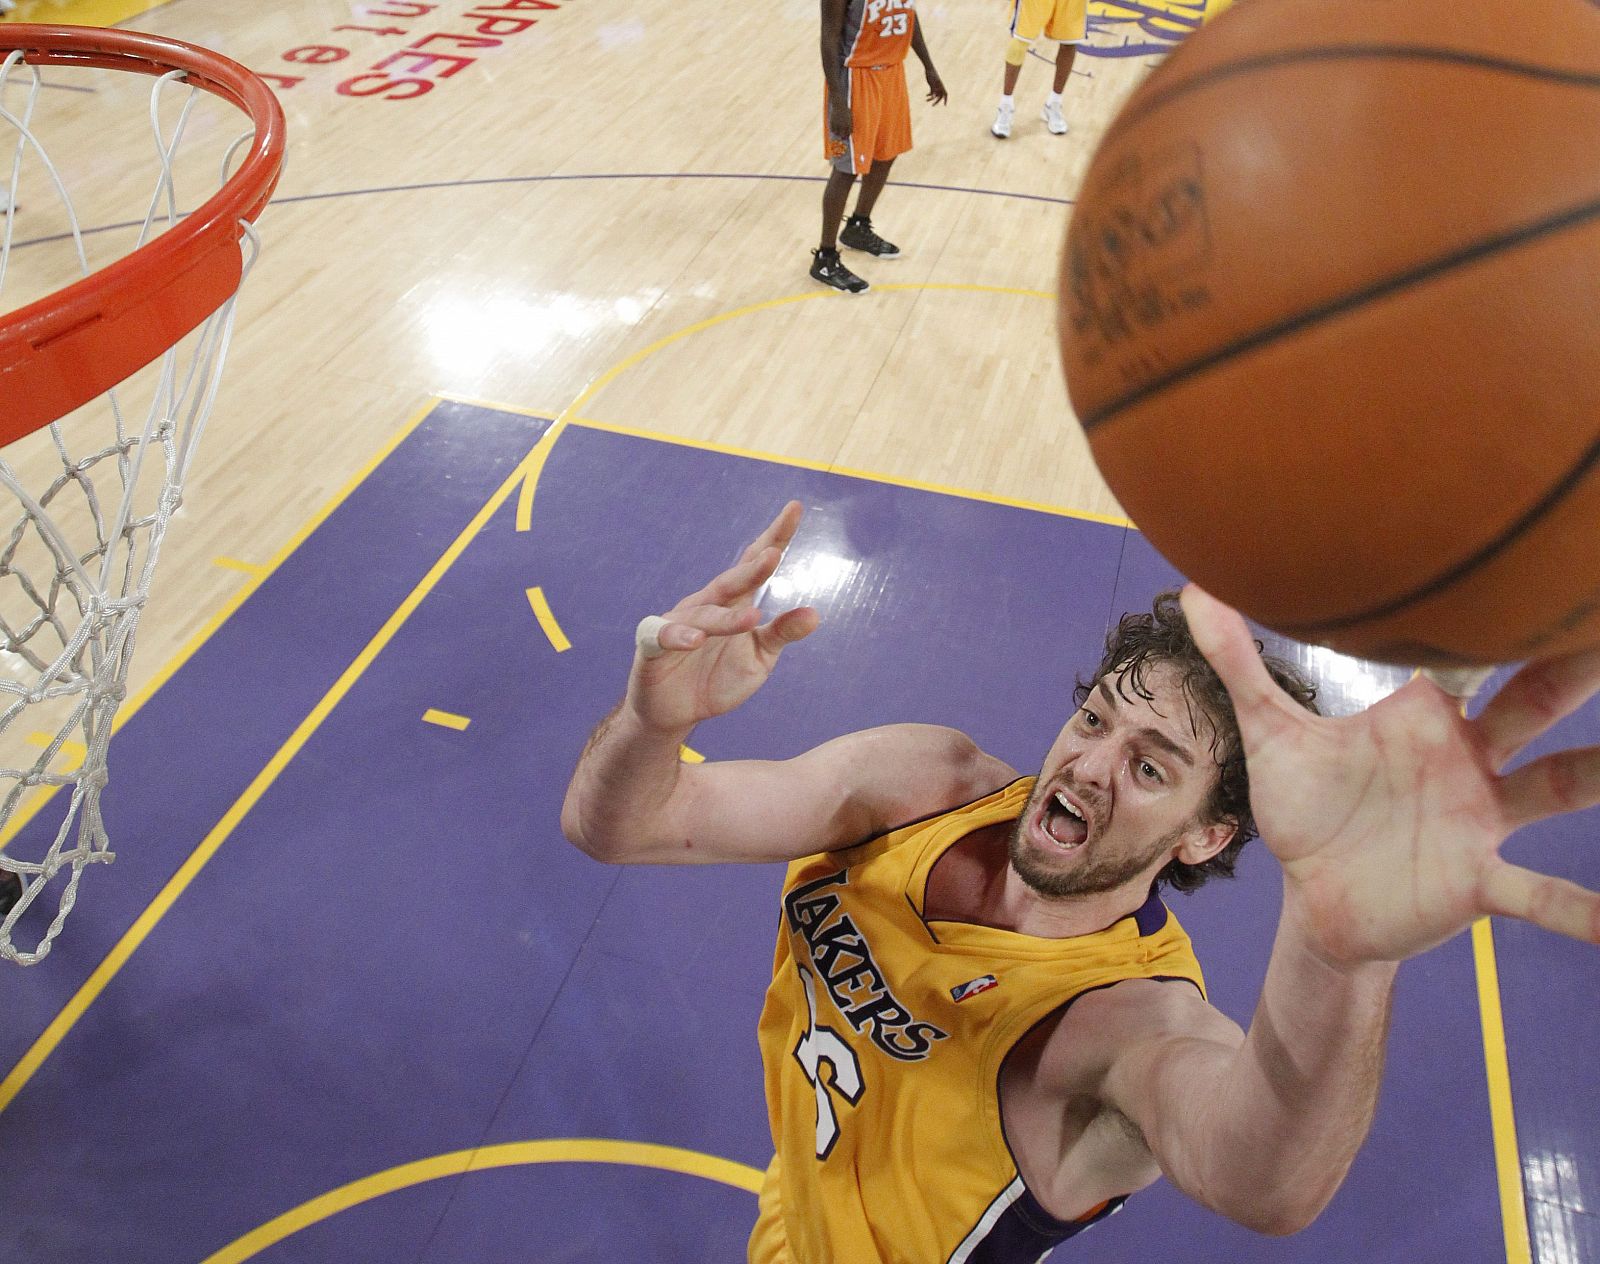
(1329, 305)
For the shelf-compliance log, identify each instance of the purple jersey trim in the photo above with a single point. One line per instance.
(1025, 1231)
(1151, 916)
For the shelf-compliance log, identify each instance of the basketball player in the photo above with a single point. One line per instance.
(985, 1030)
(1066, 22)
(10, 891)
(866, 121)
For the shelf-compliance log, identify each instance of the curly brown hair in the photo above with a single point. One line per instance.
(1141, 642)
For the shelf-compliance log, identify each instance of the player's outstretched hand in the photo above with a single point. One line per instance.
(1389, 823)
(717, 652)
(936, 93)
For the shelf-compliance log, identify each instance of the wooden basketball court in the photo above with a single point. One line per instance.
(345, 994)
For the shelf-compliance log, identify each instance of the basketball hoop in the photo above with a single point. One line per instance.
(84, 354)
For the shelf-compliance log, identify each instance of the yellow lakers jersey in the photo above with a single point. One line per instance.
(882, 1041)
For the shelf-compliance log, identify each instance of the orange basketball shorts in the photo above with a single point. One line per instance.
(880, 120)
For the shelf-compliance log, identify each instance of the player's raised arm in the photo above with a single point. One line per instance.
(1387, 826)
(633, 800)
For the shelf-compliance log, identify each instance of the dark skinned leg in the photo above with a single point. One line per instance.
(871, 185)
(1064, 58)
(834, 195)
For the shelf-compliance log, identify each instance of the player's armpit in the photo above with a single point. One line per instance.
(1260, 1127)
(1160, 1055)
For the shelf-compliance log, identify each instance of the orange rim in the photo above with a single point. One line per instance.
(60, 352)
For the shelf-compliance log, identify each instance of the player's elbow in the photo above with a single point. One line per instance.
(611, 842)
(1276, 1224)
(597, 844)
(606, 849)
(1277, 1214)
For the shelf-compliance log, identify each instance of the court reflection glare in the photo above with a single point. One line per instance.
(1345, 685)
(466, 334)
(811, 577)
(1555, 1235)
(1554, 1177)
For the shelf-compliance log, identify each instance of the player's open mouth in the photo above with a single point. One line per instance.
(1063, 821)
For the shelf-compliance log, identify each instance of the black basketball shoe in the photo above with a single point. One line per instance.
(858, 235)
(825, 267)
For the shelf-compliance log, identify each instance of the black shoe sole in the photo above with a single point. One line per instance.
(841, 288)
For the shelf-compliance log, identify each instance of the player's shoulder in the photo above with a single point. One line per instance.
(903, 772)
(1142, 1006)
(1085, 1040)
(936, 761)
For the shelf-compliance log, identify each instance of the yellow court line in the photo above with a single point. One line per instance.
(202, 854)
(800, 463)
(547, 620)
(510, 1154)
(870, 476)
(1497, 1071)
(1502, 1117)
(535, 467)
(27, 811)
(538, 414)
(234, 564)
(42, 740)
(446, 720)
(525, 499)
(157, 908)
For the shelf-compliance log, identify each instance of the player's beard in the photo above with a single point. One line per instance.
(1092, 876)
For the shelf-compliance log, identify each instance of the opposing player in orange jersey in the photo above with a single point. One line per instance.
(985, 1029)
(866, 121)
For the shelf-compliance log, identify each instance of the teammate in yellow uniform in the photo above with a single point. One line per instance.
(932, 1008)
(866, 121)
(1066, 22)
(984, 1029)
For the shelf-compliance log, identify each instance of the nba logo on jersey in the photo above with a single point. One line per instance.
(974, 987)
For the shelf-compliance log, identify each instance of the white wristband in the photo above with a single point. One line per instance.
(647, 636)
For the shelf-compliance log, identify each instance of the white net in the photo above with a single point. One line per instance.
(87, 500)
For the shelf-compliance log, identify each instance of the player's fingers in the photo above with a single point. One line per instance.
(688, 629)
(787, 628)
(1225, 639)
(1535, 698)
(718, 620)
(1567, 781)
(656, 635)
(1553, 903)
(778, 533)
(738, 583)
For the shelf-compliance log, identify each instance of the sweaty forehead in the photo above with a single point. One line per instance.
(1169, 709)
